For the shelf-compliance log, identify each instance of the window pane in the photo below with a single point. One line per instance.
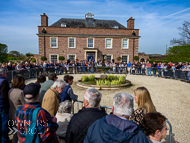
(90, 42)
(108, 58)
(124, 58)
(108, 43)
(71, 42)
(125, 43)
(72, 58)
(53, 58)
(53, 42)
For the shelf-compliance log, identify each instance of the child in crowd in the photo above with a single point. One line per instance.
(68, 94)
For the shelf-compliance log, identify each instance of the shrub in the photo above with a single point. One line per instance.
(33, 60)
(43, 58)
(122, 78)
(91, 77)
(84, 78)
(61, 58)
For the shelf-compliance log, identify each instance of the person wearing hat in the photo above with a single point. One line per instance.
(52, 98)
(45, 126)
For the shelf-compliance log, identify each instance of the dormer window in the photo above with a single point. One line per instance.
(89, 15)
(116, 26)
(63, 25)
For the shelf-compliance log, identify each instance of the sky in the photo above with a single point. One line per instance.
(157, 20)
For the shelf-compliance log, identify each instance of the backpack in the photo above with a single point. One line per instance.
(32, 135)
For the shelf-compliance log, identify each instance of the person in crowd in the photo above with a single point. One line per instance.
(63, 118)
(116, 127)
(16, 99)
(133, 68)
(148, 68)
(4, 106)
(143, 68)
(52, 99)
(139, 68)
(145, 105)
(159, 69)
(41, 79)
(154, 66)
(80, 122)
(47, 84)
(68, 94)
(155, 127)
(9, 66)
(45, 125)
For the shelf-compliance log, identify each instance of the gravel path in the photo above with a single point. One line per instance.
(171, 98)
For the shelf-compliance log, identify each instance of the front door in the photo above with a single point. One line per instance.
(89, 55)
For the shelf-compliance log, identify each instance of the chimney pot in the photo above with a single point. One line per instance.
(43, 13)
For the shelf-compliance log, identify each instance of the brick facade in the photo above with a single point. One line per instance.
(81, 36)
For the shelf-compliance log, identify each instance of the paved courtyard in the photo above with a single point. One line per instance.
(171, 98)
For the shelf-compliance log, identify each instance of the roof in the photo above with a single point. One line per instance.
(89, 23)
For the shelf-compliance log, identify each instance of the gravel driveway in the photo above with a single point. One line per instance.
(171, 98)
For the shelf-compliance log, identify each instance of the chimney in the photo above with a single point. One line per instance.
(89, 17)
(130, 23)
(44, 20)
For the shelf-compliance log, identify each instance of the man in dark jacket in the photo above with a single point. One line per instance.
(116, 127)
(78, 126)
(4, 106)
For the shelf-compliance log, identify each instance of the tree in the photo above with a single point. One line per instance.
(184, 33)
(179, 53)
(61, 58)
(14, 53)
(3, 52)
(43, 58)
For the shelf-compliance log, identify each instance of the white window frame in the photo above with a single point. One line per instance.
(74, 42)
(127, 43)
(72, 54)
(109, 55)
(127, 58)
(56, 42)
(106, 43)
(93, 42)
(53, 55)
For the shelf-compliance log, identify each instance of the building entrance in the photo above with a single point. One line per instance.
(89, 55)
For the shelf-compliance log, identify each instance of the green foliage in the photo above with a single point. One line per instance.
(136, 58)
(29, 54)
(33, 60)
(119, 59)
(122, 78)
(61, 58)
(179, 53)
(115, 82)
(43, 58)
(84, 78)
(3, 53)
(112, 77)
(91, 77)
(13, 58)
(158, 61)
(14, 53)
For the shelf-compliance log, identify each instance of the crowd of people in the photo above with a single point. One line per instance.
(41, 112)
(172, 70)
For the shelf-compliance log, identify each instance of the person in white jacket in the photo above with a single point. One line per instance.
(63, 118)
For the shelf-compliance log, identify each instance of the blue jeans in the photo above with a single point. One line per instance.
(4, 117)
(92, 70)
(143, 71)
(148, 71)
(154, 72)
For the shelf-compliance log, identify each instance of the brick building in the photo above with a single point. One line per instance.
(86, 38)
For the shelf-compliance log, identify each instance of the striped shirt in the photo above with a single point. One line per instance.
(45, 127)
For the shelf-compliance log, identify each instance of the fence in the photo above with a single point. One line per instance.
(32, 73)
(109, 109)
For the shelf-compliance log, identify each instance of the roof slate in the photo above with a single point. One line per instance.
(82, 23)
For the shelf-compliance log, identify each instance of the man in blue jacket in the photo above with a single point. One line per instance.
(4, 106)
(116, 127)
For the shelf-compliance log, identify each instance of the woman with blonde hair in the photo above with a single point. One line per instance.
(145, 105)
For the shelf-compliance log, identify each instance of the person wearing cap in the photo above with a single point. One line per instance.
(52, 98)
(80, 122)
(46, 126)
(117, 127)
(4, 106)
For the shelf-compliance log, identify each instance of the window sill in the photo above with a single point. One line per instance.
(54, 47)
(72, 47)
